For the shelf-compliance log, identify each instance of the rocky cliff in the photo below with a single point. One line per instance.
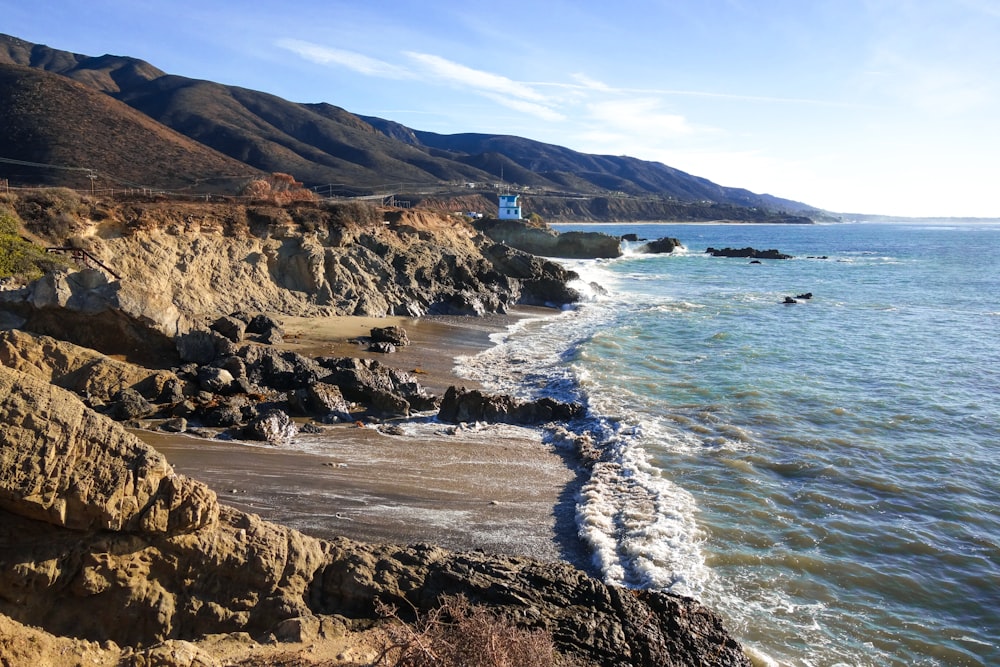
(100, 540)
(178, 266)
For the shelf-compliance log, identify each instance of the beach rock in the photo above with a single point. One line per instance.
(231, 327)
(280, 370)
(393, 335)
(747, 252)
(273, 426)
(266, 329)
(462, 405)
(369, 382)
(215, 380)
(609, 625)
(382, 348)
(201, 346)
(129, 404)
(542, 281)
(320, 398)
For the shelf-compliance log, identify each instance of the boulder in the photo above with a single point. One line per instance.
(382, 347)
(231, 327)
(273, 426)
(393, 335)
(367, 381)
(662, 246)
(215, 380)
(129, 404)
(462, 405)
(67, 466)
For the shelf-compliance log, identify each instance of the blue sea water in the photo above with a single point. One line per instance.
(825, 474)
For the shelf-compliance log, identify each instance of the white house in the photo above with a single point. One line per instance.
(509, 208)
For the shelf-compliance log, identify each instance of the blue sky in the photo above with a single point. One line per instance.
(872, 106)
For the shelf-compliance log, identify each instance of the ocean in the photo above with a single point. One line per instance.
(824, 474)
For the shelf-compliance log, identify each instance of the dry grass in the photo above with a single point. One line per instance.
(461, 634)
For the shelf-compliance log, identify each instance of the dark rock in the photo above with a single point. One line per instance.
(369, 382)
(546, 242)
(747, 253)
(661, 246)
(320, 398)
(462, 405)
(807, 295)
(789, 299)
(201, 346)
(392, 335)
(310, 427)
(274, 426)
(215, 380)
(610, 626)
(281, 370)
(232, 328)
(382, 347)
(266, 329)
(542, 281)
(174, 425)
(233, 412)
(129, 404)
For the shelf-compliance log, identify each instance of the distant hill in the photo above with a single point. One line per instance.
(319, 144)
(50, 120)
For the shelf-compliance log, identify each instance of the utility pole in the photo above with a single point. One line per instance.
(93, 177)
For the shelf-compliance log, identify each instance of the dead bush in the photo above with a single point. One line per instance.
(461, 634)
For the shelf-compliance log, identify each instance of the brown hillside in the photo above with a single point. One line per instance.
(51, 120)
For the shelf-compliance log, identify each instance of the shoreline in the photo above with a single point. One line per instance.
(496, 488)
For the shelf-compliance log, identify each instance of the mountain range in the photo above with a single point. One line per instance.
(117, 121)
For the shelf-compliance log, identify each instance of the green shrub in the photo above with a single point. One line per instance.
(20, 258)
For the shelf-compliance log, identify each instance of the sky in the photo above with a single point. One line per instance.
(888, 107)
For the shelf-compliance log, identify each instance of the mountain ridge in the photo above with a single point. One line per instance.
(326, 146)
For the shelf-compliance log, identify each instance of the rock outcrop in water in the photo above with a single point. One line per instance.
(748, 252)
(100, 540)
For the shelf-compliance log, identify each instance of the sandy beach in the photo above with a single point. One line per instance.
(496, 488)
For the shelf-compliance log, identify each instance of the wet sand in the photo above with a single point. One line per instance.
(496, 488)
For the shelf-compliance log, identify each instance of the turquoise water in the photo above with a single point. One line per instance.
(825, 474)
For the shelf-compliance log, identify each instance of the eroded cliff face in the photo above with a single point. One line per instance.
(182, 265)
(100, 540)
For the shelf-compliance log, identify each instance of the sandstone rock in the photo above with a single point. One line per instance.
(68, 466)
(82, 370)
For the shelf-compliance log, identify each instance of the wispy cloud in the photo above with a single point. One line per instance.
(500, 89)
(325, 55)
(640, 115)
